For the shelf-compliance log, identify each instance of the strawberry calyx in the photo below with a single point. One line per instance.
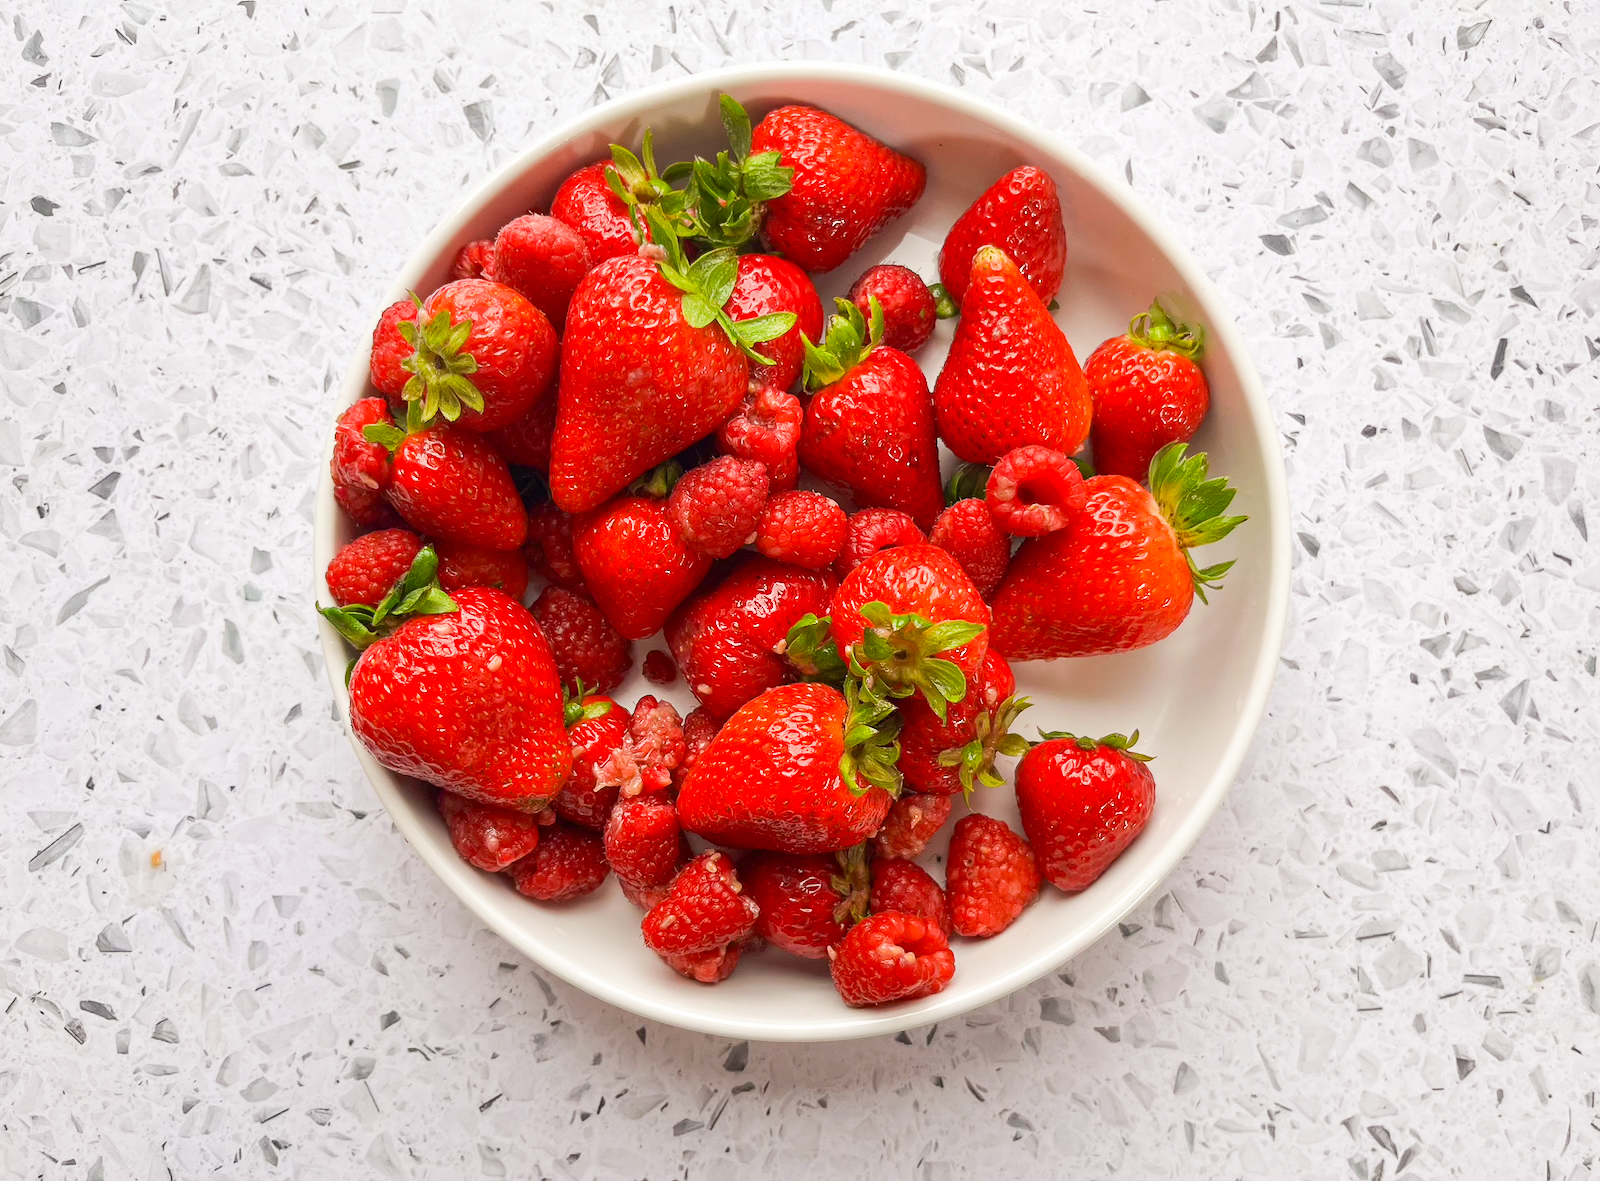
(900, 652)
(854, 884)
(636, 183)
(1122, 743)
(416, 592)
(1156, 330)
(658, 482)
(726, 198)
(970, 481)
(847, 340)
(944, 304)
(440, 368)
(871, 738)
(992, 737)
(577, 707)
(811, 649)
(1193, 506)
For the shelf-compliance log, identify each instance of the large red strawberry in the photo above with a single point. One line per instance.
(1010, 378)
(801, 769)
(1122, 576)
(1021, 214)
(846, 187)
(870, 425)
(635, 563)
(1083, 802)
(957, 753)
(544, 260)
(768, 284)
(450, 483)
(1148, 391)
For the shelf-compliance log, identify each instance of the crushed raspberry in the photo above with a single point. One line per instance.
(584, 644)
(707, 967)
(364, 570)
(717, 506)
(659, 668)
(905, 886)
(766, 428)
(968, 533)
(569, 863)
(890, 957)
(488, 837)
(656, 734)
(991, 876)
(802, 528)
(871, 530)
(1035, 490)
(912, 822)
(594, 740)
(909, 311)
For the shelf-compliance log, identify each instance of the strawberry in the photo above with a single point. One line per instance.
(717, 506)
(586, 202)
(586, 648)
(1035, 490)
(1010, 378)
(659, 668)
(807, 900)
(801, 769)
(906, 887)
(870, 425)
(1083, 802)
(462, 565)
(643, 842)
(767, 284)
(990, 878)
(1122, 577)
(874, 529)
(450, 483)
(802, 528)
(596, 727)
(968, 533)
(727, 639)
(1148, 391)
(846, 186)
(549, 548)
(488, 837)
(766, 428)
(461, 694)
(361, 469)
(705, 909)
(364, 570)
(475, 260)
(543, 260)
(568, 863)
(1021, 214)
(942, 756)
(891, 957)
(910, 309)
(526, 442)
(911, 824)
(635, 563)
(699, 728)
(390, 349)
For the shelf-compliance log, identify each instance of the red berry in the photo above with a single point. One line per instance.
(968, 533)
(526, 442)
(601, 726)
(510, 342)
(586, 203)
(549, 548)
(912, 822)
(644, 843)
(906, 887)
(656, 736)
(635, 564)
(362, 469)
(768, 284)
(449, 483)
(569, 863)
(389, 348)
(475, 260)
(585, 645)
(798, 900)
(1082, 803)
(1035, 490)
(708, 967)
(717, 506)
(802, 528)
(705, 909)
(909, 312)
(766, 428)
(1021, 214)
(1148, 392)
(890, 957)
(871, 530)
(364, 570)
(659, 668)
(699, 728)
(365, 506)
(991, 876)
(488, 837)
(544, 259)
(463, 565)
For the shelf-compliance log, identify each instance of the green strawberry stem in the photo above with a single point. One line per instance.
(810, 648)
(1084, 465)
(440, 369)
(574, 707)
(658, 481)
(847, 340)
(900, 653)
(1193, 506)
(970, 481)
(944, 304)
(1117, 742)
(993, 738)
(416, 592)
(725, 201)
(1156, 330)
(853, 882)
(871, 739)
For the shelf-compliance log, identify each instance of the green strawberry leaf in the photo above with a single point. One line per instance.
(759, 329)
(737, 124)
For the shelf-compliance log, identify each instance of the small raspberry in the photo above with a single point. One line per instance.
(908, 888)
(909, 311)
(968, 533)
(802, 528)
(991, 876)
(798, 901)
(585, 645)
(526, 442)
(389, 348)
(699, 728)
(488, 837)
(366, 507)
(462, 565)
(475, 260)
(871, 530)
(644, 842)
(364, 570)
(569, 863)
(767, 428)
(890, 957)
(912, 822)
(357, 461)
(600, 730)
(717, 506)
(659, 668)
(705, 909)
(544, 260)
(1035, 490)
(708, 967)
(549, 548)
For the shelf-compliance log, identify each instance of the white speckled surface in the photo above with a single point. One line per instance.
(1381, 956)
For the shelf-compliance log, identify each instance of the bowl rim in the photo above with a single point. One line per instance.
(466, 884)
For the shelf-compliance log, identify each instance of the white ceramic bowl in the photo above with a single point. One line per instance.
(1196, 697)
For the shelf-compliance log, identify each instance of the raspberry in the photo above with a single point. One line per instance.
(909, 311)
(906, 887)
(699, 728)
(585, 645)
(357, 461)
(389, 348)
(802, 528)
(526, 442)
(1035, 490)
(656, 735)
(968, 533)
(475, 260)
(549, 548)
(488, 837)
(644, 842)
(364, 570)
(705, 909)
(767, 428)
(366, 507)
(659, 668)
(871, 530)
(542, 258)
(991, 876)
(890, 957)
(708, 967)
(462, 565)
(600, 729)
(716, 507)
(569, 863)
(912, 822)
(798, 901)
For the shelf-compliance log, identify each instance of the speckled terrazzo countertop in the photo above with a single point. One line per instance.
(1379, 961)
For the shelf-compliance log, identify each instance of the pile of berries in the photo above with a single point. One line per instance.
(636, 397)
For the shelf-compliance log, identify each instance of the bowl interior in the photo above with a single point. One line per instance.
(1195, 697)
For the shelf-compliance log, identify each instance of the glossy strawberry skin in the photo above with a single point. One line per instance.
(586, 203)
(768, 284)
(891, 957)
(638, 384)
(968, 533)
(724, 638)
(450, 483)
(909, 311)
(1116, 580)
(1144, 398)
(797, 901)
(873, 432)
(635, 564)
(921, 579)
(487, 837)
(581, 801)
(847, 186)
(923, 737)
(1011, 378)
(1021, 214)
(991, 876)
(911, 824)
(364, 570)
(467, 701)
(462, 565)
(1081, 808)
(544, 260)
(906, 887)
(526, 441)
(770, 778)
(568, 864)
(389, 348)
(511, 340)
(583, 642)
